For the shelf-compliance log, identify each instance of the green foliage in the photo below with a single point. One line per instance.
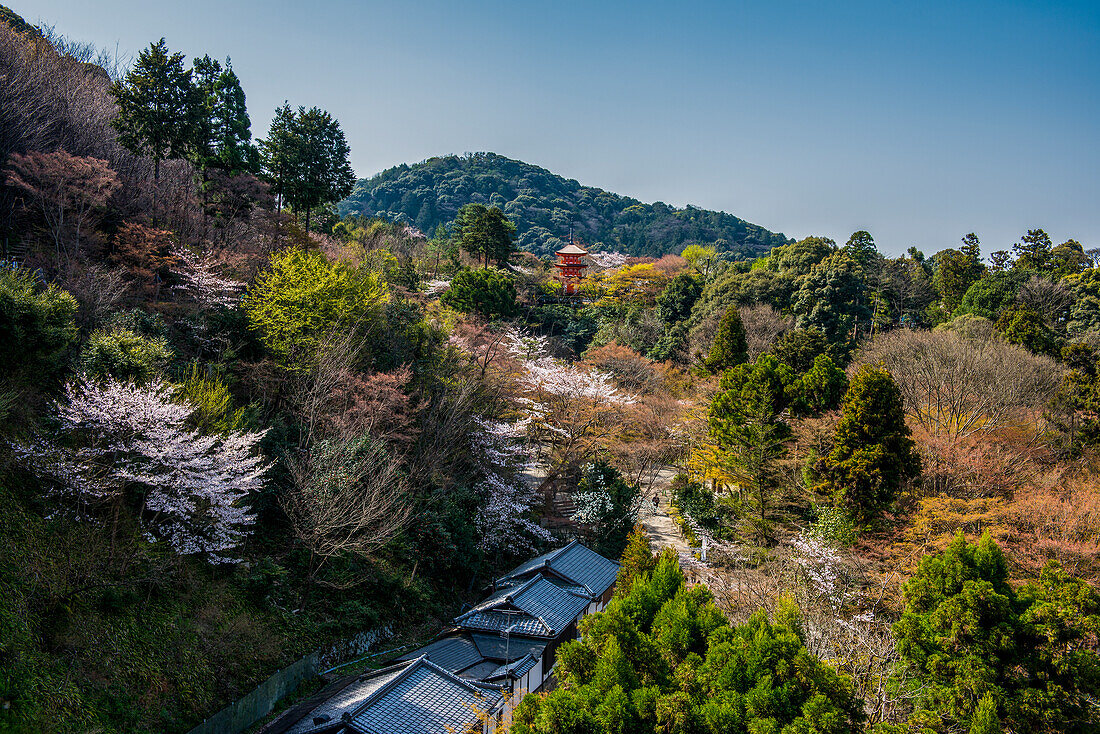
(608, 505)
(799, 348)
(833, 298)
(745, 419)
(37, 327)
(1024, 326)
(1033, 251)
(303, 297)
(662, 658)
(834, 526)
(156, 106)
(968, 636)
(223, 130)
(730, 347)
(546, 207)
(956, 270)
(491, 293)
(1084, 315)
(208, 393)
(675, 302)
(306, 158)
(821, 387)
(123, 354)
(995, 292)
(872, 452)
(484, 232)
(637, 560)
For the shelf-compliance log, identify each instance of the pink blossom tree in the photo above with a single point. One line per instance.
(115, 437)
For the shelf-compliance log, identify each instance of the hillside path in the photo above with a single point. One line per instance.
(659, 526)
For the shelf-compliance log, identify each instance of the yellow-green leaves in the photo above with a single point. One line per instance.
(304, 297)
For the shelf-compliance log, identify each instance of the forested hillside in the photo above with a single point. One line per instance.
(236, 429)
(546, 207)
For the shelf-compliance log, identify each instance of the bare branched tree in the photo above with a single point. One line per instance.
(346, 497)
(763, 325)
(956, 387)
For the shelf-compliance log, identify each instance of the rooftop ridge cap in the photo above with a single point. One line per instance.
(387, 686)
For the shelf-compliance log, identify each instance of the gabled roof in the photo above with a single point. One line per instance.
(495, 647)
(327, 711)
(573, 563)
(571, 249)
(454, 653)
(425, 699)
(515, 669)
(536, 606)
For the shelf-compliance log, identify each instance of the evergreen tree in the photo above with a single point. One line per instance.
(833, 298)
(872, 451)
(861, 246)
(279, 153)
(637, 560)
(674, 303)
(306, 159)
(746, 420)
(967, 635)
(1033, 251)
(798, 348)
(730, 347)
(957, 270)
(156, 107)
(485, 232)
(822, 387)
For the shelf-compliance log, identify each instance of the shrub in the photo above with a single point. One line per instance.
(124, 355)
(37, 326)
(488, 292)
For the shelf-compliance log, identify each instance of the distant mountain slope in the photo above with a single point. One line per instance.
(545, 206)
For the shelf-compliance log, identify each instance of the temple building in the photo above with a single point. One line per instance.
(571, 266)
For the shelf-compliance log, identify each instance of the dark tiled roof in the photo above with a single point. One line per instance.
(425, 699)
(346, 698)
(574, 563)
(515, 669)
(545, 609)
(497, 648)
(452, 653)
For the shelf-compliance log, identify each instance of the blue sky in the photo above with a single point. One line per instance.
(919, 122)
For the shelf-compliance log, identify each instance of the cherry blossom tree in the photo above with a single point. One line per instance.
(118, 442)
(505, 520)
(201, 282)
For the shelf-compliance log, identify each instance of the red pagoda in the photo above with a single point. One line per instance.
(571, 266)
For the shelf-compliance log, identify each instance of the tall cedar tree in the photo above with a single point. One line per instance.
(957, 270)
(223, 130)
(485, 232)
(746, 420)
(156, 107)
(306, 158)
(872, 452)
(730, 347)
(1033, 251)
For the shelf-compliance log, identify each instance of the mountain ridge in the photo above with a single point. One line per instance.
(547, 208)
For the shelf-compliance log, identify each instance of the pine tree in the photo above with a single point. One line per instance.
(730, 347)
(1033, 251)
(156, 107)
(872, 451)
(485, 232)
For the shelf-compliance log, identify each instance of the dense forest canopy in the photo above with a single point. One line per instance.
(546, 208)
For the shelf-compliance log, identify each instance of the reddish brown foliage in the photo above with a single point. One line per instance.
(376, 404)
(143, 252)
(66, 192)
(632, 372)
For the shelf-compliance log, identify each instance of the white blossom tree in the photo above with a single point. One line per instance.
(505, 520)
(200, 280)
(119, 442)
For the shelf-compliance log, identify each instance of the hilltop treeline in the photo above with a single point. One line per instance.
(546, 208)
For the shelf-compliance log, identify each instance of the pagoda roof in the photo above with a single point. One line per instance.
(571, 249)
